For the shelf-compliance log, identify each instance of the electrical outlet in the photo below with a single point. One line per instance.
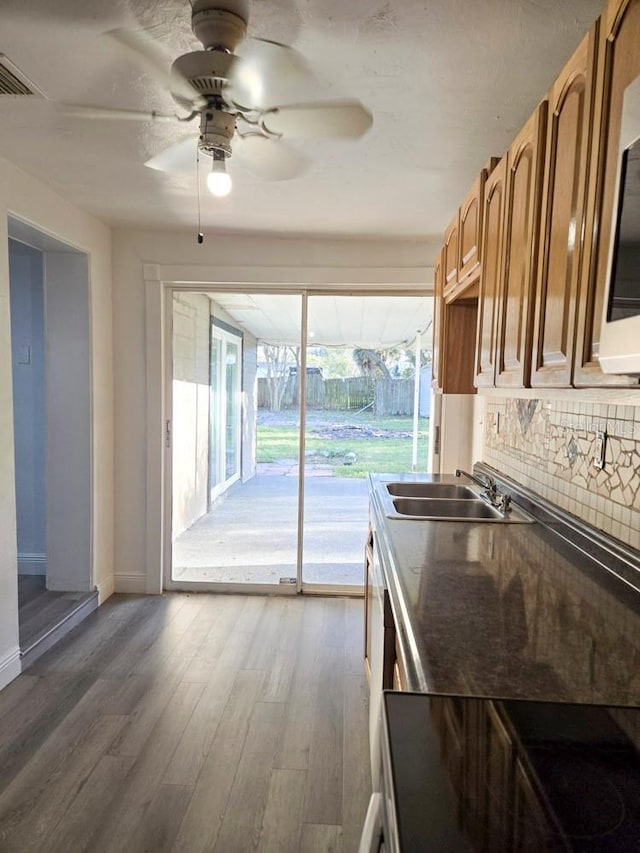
(599, 450)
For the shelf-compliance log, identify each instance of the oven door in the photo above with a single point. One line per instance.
(419, 809)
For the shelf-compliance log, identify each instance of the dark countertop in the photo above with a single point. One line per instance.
(510, 610)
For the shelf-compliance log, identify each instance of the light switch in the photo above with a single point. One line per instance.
(24, 354)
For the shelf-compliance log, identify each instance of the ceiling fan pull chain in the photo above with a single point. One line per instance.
(200, 234)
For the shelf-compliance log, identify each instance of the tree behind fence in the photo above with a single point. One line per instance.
(383, 396)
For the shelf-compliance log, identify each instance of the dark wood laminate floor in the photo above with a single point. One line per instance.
(191, 723)
(40, 609)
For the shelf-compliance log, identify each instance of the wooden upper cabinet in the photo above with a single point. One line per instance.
(522, 219)
(453, 339)
(470, 232)
(450, 256)
(459, 321)
(618, 64)
(563, 218)
(490, 279)
(438, 307)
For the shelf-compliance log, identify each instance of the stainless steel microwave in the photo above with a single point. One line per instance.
(620, 335)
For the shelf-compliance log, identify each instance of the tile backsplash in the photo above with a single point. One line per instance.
(549, 447)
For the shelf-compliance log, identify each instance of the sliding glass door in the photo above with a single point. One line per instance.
(359, 417)
(235, 441)
(257, 502)
(225, 410)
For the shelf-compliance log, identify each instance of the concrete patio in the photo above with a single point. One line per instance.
(250, 534)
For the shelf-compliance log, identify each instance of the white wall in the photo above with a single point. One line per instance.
(32, 201)
(142, 261)
(456, 432)
(9, 651)
(28, 372)
(68, 433)
(190, 417)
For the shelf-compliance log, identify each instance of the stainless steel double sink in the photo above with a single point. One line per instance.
(445, 502)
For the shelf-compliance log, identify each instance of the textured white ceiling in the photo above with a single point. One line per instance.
(449, 83)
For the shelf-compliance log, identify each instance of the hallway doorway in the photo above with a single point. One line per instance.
(51, 367)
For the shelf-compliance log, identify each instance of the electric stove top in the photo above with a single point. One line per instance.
(469, 774)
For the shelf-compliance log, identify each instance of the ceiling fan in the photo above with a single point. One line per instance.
(231, 96)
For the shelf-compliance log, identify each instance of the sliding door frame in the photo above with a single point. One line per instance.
(218, 411)
(305, 293)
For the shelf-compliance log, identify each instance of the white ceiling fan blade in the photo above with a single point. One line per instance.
(270, 158)
(178, 159)
(145, 49)
(81, 111)
(340, 119)
(267, 71)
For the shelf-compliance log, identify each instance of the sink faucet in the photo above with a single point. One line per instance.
(504, 504)
(488, 484)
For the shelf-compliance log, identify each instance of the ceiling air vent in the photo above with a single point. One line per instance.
(14, 82)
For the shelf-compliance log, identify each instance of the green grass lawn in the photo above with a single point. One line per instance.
(384, 451)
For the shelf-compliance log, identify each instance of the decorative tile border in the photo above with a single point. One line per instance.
(549, 446)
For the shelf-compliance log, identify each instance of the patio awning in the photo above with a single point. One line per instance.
(370, 322)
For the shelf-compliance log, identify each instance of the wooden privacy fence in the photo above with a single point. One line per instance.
(394, 397)
(383, 396)
(342, 394)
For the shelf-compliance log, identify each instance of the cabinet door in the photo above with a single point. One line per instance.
(389, 650)
(498, 783)
(380, 645)
(368, 600)
(522, 221)
(400, 678)
(618, 65)
(470, 232)
(450, 256)
(563, 214)
(474, 761)
(533, 829)
(451, 754)
(491, 276)
(376, 634)
(438, 330)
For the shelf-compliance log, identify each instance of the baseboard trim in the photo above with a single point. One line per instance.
(10, 667)
(32, 563)
(39, 645)
(105, 588)
(67, 584)
(132, 584)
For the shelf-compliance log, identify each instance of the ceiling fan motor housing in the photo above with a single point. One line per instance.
(222, 26)
(206, 70)
(216, 132)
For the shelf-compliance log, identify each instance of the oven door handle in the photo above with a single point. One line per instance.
(371, 838)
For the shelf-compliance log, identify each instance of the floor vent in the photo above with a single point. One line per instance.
(14, 82)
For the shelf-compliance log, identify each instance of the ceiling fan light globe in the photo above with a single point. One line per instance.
(219, 183)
